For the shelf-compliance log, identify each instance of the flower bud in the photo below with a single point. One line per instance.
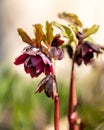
(56, 53)
(51, 87)
(48, 84)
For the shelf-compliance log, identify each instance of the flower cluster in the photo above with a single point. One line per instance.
(45, 47)
(37, 57)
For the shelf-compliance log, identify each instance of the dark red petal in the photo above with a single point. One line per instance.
(89, 56)
(20, 60)
(78, 58)
(95, 47)
(32, 71)
(85, 49)
(69, 51)
(40, 67)
(48, 69)
(57, 41)
(27, 62)
(35, 60)
(27, 70)
(79, 61)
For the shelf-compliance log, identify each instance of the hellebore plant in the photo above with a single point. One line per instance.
(46, 47)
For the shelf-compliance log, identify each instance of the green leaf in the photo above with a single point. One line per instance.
(66, 31)
(49, 33)
(24, 36)
(88, 31)
(38, 34)
(71, 18)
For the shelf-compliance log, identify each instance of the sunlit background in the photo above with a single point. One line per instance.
(20, 109)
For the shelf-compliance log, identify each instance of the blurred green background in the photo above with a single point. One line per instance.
(21, 109)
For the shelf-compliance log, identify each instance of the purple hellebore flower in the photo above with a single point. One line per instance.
(85, 52)
(35, 62)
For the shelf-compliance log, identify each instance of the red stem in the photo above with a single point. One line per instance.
(56, 113)
(56, 106)
(81, 127)
(72, 102)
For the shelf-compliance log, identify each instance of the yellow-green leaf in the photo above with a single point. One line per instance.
(49, 33)
(88, 31)
(71, 18)
(38, 34)
(25, 37)
(66, 31)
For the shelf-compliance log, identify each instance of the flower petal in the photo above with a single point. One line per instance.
(96, 48)
(78, 58)
(85, 49)
(53, 53)
(45, 59)
(40, 67)
(88, 57)
(28, 62)
(60, 53)
(69, 51)
(57, 41)
(35, 60)
(20, 60)
(27, 70)
(42, 84)
(33, 51)
(48, 69)
(33, 72)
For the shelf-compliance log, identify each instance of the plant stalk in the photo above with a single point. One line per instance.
(56, 106)
(72, 102)
(56, 113)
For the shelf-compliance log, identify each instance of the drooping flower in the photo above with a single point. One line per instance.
(48, 84)
(35, 62)
(84, 52)
(87, 51)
